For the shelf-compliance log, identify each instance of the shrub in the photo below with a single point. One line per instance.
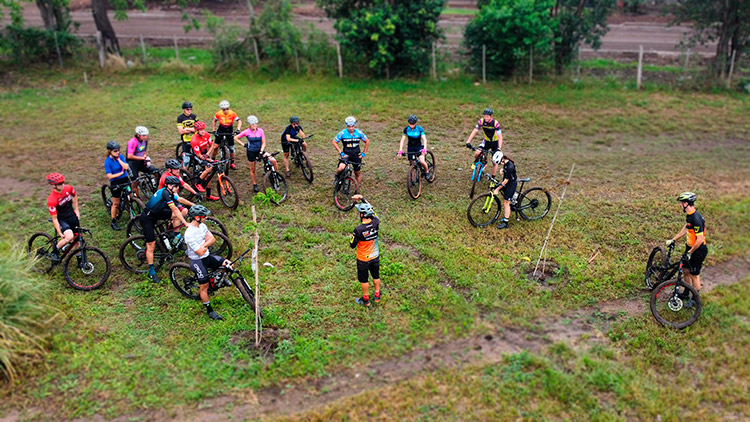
(29, 45)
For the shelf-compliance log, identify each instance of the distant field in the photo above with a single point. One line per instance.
(133, 347)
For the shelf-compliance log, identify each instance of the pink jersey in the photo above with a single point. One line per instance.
(137, 148)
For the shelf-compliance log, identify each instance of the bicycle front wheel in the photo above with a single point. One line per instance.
(342, 193)
(188, 178)
(276, 182)
(675, 304)
(38, 248)
(476, 177)
(306, 166)
(184, 280)
(431, 166)
(88, 270)
(247, 293)
(413, 182)
(178, 152)
(133, 257)
(484, 210)
(655, 267)
(534, 203)
(222, 246)
(227, 192)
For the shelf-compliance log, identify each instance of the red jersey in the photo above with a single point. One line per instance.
(201, 144)
(164, 177)
(61, 204)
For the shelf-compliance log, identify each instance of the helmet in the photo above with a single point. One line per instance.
(187, 104)
(141, 130)
(294, 119)
(198, 211)
(112, 145)
(497, 157)
(199, 125)
(688, 197)
(252, 120)
(365, 209)
(55, 178)
(224, 105)
(350, 121)
(172, 164)
(488, 112)
(172, 180)
(412, 119)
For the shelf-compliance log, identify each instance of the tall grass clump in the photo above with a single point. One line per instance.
(24, 316)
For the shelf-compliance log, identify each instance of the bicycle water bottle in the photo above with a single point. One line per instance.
(515, 197)
(177, 240)
(168, 244)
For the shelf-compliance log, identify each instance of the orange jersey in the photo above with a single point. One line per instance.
(365, 239)
(226, 119)
(696, 225)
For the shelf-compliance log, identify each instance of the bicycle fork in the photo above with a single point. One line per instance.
(225, 188)
(474, 175)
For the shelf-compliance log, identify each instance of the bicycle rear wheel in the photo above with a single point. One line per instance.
(306, 166)
(225, 154)
(246, 292)
(178, 152)
(133, 257)
(222, 246)
(227, 192)
(276, 182)
(184, 280)
(431, 166)
(343, 191)
(534, 203)
(484, 210)
(89, 270)
(675, 304)
(191, 180)
(655, 267)
(38, 248)
(413, 181)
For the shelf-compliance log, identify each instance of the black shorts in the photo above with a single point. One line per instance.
(148, 222)
(413, 153)
(286, 146)
(354, 157)
(696, 259)
(253, 156)
(364, 267)
(69, 223)
(116, 186)
(489, 146)
(226, 138)
(201, 266)
(138, 166)
(509, 190)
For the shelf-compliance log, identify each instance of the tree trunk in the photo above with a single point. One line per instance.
(48, 15)
(99, 10)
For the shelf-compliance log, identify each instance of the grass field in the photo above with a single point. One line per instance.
(133, 347)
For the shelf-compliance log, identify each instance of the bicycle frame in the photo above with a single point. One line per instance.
(672, 268)
(479, 163)
(494, 183)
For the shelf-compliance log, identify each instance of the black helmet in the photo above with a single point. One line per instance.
(412, 119)
(198, 211)
(294, 119)
(187, 104)
(488, 112)
(173, 164)
(112, 145)
(172, 180)
(688, 197)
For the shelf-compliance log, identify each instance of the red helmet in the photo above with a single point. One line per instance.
(55, 178)
(199, 125)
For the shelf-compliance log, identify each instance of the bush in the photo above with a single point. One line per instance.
(29, 45)
(23, 313)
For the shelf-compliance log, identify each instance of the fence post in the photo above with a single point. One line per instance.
(687, 59)
(255, 50)
(640, 67)
(731, 69)
(434, 64)
(578, 67)
(100, 47)
(484, 64)
(57, 48)
(85, 77)
(143, 48)
(176, 50)
(531, 63)
(296, 59)
(341, 65)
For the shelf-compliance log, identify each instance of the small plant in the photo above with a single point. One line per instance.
(266, 198)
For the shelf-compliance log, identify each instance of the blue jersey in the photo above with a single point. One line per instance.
(161, 200)
(414, 135)
(351, 141)
(112, 166)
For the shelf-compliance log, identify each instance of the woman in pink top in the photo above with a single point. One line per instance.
(256, 147)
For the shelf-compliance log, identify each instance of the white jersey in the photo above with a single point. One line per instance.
(194, 238)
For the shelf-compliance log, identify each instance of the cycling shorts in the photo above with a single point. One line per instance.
(490, 146)
(509, 190)
(149, 220)
(364, 267)
(696, 259)
(70, 223)
(253, 156)
(117, 186)
(414, 152)
(202, 266)
(355, 158)
(138, 166)
(227, 138)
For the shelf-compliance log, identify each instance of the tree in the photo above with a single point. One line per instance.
(109, 39)
(55, 14)
(577, 21)
(724, 21)
(281, 36)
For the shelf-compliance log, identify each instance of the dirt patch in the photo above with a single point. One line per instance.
(14, 189)
(548, 274)
(269, 342)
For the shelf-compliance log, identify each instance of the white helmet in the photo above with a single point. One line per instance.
(224, 105)
(141, 130)
(252, 120)
(350, 121)
(497, 157)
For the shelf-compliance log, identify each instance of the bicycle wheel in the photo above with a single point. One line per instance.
(178, 152)
(107, 197)
(148, 185)
(534, 203)
(188, 178)
(227, 192)
(413, 181)
(184, 280)
(246, 292)
(215, 225)
(135, 208)
(133, 229)
(90, 268)
(276, 182)
(224, 154)
(133, 257)
(476, 176)
(38, 248)
(484, 210)
(222, 246)
(306, 166)
(655, 267)
(675, 304)
(431, 166)
(343, 191)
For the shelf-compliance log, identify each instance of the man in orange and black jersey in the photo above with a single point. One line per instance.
(225, 132)
(492, 137)
(695, 228)
(365, 239)
(185, 122)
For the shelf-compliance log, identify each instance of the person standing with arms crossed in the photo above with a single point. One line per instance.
(185, 122)
(224, 134)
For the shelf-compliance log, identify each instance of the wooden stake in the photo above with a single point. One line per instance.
(255, 50)
(258, 327)
(484, 64)
(543, 252)
(434, 63)
(341, 65)
(176, 50)
(578, 67)
(687, 59)
(731, 69)
(57, 47)
(100, 47)
(640, 67)
(296, 59)
(143, 49)
(85, 78)
(531, 63)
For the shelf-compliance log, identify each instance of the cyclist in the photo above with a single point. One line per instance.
(63, 208)
(226, 118)
(137, 156)
(256, 147)
(493, 136)
(417, 145)
(117, 173)
(351, 137)
(695, 228)
(292, 133)
(161, 206)
(365, 239)
(201, 145)
(185, 122)
(198, 238)
(508, 185)
(173, 169)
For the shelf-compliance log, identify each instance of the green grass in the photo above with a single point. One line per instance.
(132, 345)
(459, 11)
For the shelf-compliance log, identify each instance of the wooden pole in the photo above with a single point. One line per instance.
(640, 67)
(578, 67)
(434, 63)
(341, 65)
(100, 47)
(85, 77)
(296, 59)
(57, 47)
(731, 69)
(143, 49)
(258, 327)
(256, 52)
(531, 63)
(543, 252)
(484, 64)
(176, 50)
(687, 59)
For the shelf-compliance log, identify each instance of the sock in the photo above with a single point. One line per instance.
(114, 220)
(377, 294)
(151, 270)
(365, 298)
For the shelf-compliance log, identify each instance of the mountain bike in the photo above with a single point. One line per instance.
(90, 269)
(134, 228)
(416, 173)
(274, 179)
(344, 186)
(480, 162)
(130, 204)
(133, 250)
(531, 204)
(300, 159)
(185, 281)
(674, 303)
(225, 187)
